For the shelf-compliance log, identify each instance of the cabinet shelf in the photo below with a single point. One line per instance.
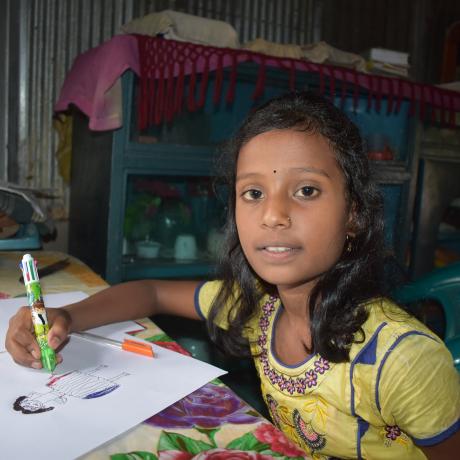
(168, 269)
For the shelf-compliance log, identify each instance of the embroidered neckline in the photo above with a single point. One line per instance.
(292, 385)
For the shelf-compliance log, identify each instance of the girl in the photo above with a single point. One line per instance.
(344, 371)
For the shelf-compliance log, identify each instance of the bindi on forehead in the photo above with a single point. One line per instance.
(274, 171)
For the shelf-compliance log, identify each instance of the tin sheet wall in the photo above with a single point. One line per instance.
(40, 38)
(414, 26)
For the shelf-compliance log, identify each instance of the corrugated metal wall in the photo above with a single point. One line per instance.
(4, 83)
(40, 38)
(414, 26)
(368, 23)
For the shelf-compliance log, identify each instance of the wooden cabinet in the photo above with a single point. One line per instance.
(438, 185)
(116, 173)
(126, 184)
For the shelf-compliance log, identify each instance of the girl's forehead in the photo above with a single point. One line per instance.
(286, 149)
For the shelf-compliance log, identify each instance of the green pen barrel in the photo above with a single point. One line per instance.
(48, 358)
(38, 311)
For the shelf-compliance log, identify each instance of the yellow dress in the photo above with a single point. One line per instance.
(399, 390)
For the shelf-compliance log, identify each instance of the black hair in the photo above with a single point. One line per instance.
(17, 406)
(336, 303)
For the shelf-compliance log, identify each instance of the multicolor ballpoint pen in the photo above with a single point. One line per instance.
(133, 346)
(37, 307)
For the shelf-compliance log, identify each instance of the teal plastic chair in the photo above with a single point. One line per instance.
(453, 345)
(443, 286)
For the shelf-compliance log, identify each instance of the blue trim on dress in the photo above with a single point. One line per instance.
(196, 300)
(363, 426)
(372, 344)
(368, 355)
(393, 346)
(272, 345)
(439, 437)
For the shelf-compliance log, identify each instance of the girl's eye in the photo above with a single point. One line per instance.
(306, 192)
(251, 195)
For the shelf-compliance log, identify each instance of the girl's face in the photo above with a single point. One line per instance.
(292, 213)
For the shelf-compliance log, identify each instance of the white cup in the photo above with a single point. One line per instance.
(185, 247)
(215, 242)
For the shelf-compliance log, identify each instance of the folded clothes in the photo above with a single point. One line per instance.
(184, 27)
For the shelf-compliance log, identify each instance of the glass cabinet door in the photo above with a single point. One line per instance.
(173, 226)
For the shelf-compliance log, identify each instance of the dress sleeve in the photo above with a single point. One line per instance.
(418, 388)
(204, 296)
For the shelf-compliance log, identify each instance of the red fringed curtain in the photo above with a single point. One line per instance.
(165, 63)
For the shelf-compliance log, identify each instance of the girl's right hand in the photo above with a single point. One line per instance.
(20, 339)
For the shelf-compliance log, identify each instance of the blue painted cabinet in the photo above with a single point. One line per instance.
(144, 203)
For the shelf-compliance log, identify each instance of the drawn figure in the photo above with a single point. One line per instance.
(78, 384)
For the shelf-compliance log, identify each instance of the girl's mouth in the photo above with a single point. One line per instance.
(278, 252)
(278, 249)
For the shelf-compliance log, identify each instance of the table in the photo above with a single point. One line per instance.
(230, 427)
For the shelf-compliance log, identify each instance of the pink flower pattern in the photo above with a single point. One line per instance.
(321, 365)
(290, 384)
(214, 454)
(277, 441)
(311, 378)
(392, 432)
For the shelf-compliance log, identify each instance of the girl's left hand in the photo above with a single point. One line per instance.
(21, 342)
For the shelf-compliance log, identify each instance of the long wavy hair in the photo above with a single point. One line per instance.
(336, 302)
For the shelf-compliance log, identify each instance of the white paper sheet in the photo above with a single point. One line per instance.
(141, 387)
(8, 308)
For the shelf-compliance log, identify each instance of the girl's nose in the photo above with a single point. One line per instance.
(276, 214)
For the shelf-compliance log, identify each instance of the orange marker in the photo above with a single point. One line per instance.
(134, 346)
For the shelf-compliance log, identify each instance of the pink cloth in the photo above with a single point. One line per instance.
(93, 83)
(162, 97)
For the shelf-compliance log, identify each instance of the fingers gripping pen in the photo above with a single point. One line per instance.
(37, 307)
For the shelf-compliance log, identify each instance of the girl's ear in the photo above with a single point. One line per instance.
(352, 223)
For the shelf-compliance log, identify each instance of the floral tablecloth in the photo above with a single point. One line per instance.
(211, 423)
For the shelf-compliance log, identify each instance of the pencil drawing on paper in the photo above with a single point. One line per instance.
(88, 384)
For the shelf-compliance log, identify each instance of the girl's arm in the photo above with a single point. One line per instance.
(127, 301)
(134, 300)
(445, 450)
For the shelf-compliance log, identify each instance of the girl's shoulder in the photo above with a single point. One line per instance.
(387, 329)
(208, 291)
(394, 321)
(205, 295)
(401, 374)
